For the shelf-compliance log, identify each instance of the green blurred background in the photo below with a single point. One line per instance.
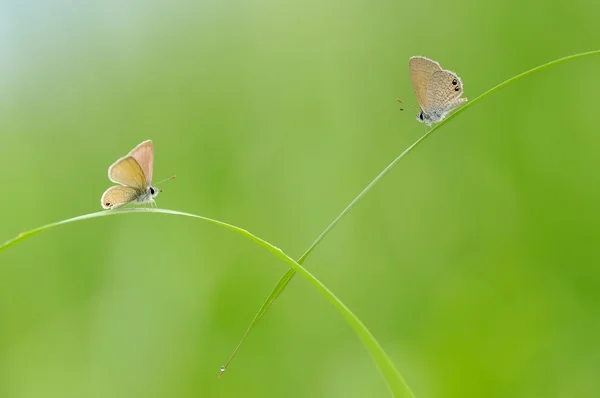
(475, 262)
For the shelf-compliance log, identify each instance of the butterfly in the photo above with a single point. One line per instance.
(134, 174)
(437, 90)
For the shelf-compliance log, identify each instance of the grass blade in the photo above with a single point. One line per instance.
(285, 279)
(394, 380)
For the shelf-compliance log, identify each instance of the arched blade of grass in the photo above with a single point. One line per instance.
(394, 380)
(285, 279)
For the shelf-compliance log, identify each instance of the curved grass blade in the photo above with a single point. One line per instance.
(394, 380)
(285, 279)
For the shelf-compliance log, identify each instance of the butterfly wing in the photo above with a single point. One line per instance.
(144, 155)
(127, 171)
(118, 196)
(421, 70)
(444, 90)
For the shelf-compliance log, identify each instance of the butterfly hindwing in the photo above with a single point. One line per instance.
(443, 91)
(118, 196)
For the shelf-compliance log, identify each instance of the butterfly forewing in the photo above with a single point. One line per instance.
(118, 196)
(144, 155)
(127, 171)
(421, 69)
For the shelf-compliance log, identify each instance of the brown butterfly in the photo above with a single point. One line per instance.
(134, 174)
(437, 90)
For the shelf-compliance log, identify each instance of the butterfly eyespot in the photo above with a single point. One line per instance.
(456, 89)
(107, 203)
(454, 82)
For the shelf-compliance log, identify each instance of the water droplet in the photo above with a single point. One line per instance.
(223, 368)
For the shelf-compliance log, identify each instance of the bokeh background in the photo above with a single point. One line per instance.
(475, 262)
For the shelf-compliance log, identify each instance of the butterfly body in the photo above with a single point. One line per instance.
(148, 196)
(437, 90)
(434, 116)
(133, 173)
(145, 197)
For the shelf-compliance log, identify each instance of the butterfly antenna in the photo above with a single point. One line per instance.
(167, 179)
(402, 102)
